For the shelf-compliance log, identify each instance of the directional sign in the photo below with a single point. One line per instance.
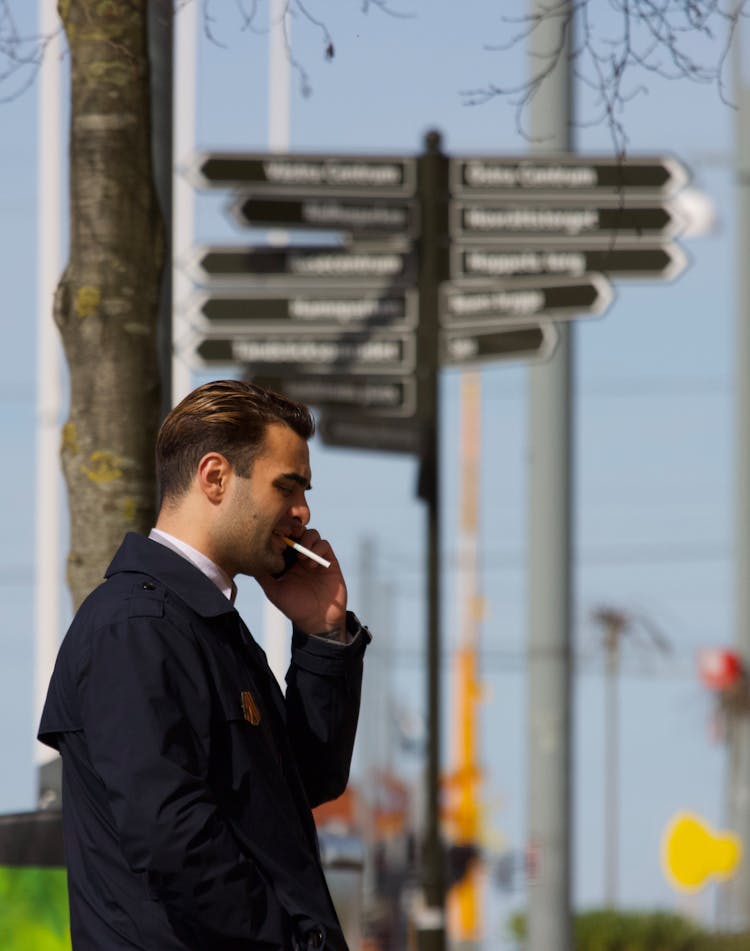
(638, 260)
(355, 216)
(305, 265)
(370, 396)
(393, 435)
(312, 353)
(520, 299)
(330, 308)
(509, 221)
(562, 175)
(308, 174)
(469, 347)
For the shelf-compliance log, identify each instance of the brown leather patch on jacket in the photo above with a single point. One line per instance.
(250, 709)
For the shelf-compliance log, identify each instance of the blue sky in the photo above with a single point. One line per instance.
(653, 425)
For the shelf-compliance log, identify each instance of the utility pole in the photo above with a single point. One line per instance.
(48, 582)
(549, 814)
(737, 894)
(614, 623)
(183, 197)
(275, 624)
(161, 63)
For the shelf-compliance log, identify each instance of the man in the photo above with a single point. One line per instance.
(188, 777)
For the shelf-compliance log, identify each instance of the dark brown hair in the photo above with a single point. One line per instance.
(226, 416)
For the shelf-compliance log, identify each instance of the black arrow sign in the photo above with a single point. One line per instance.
(564, 175)
(359, 265)
(569, 258)
(370, 396)
(523, 299)
(469, 347)
(309, 174)
(509, 221)
(392, 435)
(334, 310)
(312, 353)
(340, 214)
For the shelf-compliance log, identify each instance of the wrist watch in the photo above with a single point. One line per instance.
(354, 626)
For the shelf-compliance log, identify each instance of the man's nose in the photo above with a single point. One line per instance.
(300, 512)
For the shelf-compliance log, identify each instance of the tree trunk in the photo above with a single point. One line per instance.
(106, 304)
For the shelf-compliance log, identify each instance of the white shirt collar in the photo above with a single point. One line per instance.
(211, 570)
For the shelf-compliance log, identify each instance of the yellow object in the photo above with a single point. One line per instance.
(464, 908)
(692, 852)
(464, 815)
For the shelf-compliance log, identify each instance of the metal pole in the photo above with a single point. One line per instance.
(49, 497)
(275, 624)
(432, 185)
(737, 905)
(612, 769)
(186, 41)
(161, 63)
(550, 519)
(279, 77)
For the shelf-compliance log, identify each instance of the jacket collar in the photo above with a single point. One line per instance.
(144, 556)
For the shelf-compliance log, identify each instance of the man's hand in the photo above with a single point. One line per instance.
(311, 596)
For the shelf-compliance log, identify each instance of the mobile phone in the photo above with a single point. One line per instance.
(290, 556)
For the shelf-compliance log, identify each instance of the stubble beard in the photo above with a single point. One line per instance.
(263, 559)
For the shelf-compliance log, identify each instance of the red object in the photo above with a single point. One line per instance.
(719, 668)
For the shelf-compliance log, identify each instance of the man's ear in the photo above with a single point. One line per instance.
(213, 476)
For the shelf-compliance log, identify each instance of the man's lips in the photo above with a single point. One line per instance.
(280, 533)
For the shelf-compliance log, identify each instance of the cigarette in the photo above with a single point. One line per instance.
(306, 551)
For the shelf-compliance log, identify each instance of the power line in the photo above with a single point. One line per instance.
(641, 554)
(633, 386)
(514, 661)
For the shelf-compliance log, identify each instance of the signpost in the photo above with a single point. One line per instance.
(369, 396)
(355, 432)
(555, 219)
(359, 217)
(571, 258)
(308, 174)
(566, 175)
(507, 246)
(312, 353)
(302, 265)
(481, 345)
(331, 308)
(497, 302)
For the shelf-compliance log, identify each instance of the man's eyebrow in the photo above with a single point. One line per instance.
(296, 477)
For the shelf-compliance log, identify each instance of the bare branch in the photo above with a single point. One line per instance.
(671, 39)
(249, 14)
(248, 17)
(20, 56)
(386, 8)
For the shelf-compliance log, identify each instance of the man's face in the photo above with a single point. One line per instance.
(269, 503)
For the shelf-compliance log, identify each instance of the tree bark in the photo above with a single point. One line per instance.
(106, 304)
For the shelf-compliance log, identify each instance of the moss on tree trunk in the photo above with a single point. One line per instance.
(106, 303)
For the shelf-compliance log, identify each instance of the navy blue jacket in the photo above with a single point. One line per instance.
(188, 777)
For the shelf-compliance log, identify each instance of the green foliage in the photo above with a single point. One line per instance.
(608, 930)
(617, 931)
(33, 910)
